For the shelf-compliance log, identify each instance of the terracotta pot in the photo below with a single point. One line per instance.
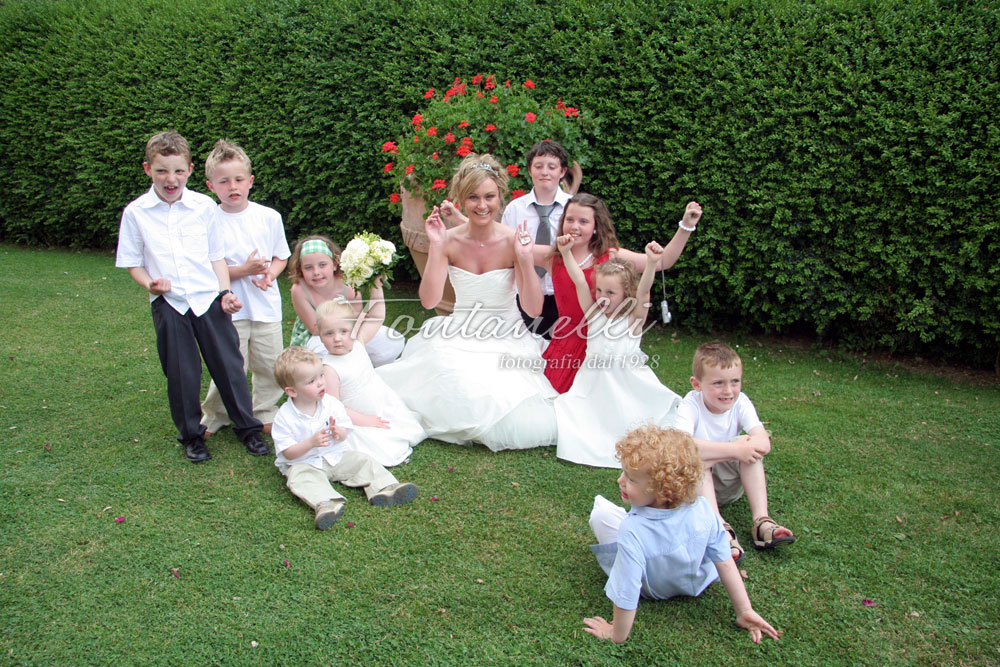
(415, 238)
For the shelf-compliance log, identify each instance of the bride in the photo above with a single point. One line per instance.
(477, 375)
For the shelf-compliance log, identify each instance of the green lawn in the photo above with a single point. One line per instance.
(888, 475)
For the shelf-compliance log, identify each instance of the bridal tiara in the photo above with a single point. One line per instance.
(486, 167)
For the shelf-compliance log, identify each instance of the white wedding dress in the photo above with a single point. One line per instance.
(613, 393)
(477, 375)
(363, 390)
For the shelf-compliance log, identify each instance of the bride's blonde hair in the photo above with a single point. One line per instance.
(471, 173)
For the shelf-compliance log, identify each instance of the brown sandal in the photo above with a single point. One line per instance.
(733, 542)
(759, 542)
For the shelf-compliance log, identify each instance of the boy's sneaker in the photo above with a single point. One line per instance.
(328, 512)
(395, 494)
(256, 444)
(196, 451)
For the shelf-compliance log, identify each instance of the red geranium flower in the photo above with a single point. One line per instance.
(559, 104)
(530, 117)
(448, 138)
(490, 127)
(416, 120)
(529, 84)
(429, 94)
(387, 168)
(434, 156)
(439, 184)
(464, 150)
(463, 123)
(389, 147)
(512, 169)
(457, 81)
(494, 99)
(409, 168)
(489, 85)
(479, 93)
(432, 131)
(516, 193)
(506, 84)
(394, 197)
(572, 111)
(476, 80)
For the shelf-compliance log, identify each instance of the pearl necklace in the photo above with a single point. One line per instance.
(585, 260)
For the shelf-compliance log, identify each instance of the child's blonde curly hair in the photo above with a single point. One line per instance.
(669, 457)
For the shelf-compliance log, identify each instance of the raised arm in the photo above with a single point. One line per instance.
(692, 214)
(529, 289)
(583, 295)
(654, 252)
(436, 272)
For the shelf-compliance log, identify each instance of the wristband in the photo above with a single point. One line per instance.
(680, 223)
(225, 292)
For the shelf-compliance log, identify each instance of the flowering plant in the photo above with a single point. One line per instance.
(482, 116)
(365, 258)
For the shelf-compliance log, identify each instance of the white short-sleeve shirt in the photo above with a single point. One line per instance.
(175, 241)
(292, 426)
(254, 228)
(694, 418)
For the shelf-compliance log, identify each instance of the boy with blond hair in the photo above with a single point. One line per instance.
(310, 433)
(171, 246)
(670, 543)
(255, 253)
(716, 412)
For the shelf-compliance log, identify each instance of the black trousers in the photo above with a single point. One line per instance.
(178, 341)
(541, 325)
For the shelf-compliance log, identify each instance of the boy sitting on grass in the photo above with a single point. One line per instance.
(671, 542)
(309, 433)
(715, 413)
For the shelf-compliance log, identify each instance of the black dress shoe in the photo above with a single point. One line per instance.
(256, 444)
(196, 451)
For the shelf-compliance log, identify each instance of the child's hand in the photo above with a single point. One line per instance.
(654, 251)
(523, 243)
(598, 627)
(692, 214)
(159, 286)
(748, 450)
(372, 420)
(565, 244)
(263, 282)
(436, 232)
(326, 435)
(255, 264)
(750, 620)
(230, 303)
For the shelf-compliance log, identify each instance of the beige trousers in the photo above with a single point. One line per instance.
(260, 345)
(355, 469)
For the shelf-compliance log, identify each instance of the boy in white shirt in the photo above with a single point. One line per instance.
(547, 163)
(715, 413)
(256, 253)
(171, 247)
(309, 434)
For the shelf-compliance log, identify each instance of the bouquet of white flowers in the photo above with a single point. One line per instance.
(365, 258)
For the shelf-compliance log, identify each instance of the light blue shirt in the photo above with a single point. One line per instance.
(663, 553)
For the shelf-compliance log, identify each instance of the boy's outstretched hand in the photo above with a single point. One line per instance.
(597, 626)
(751, 621)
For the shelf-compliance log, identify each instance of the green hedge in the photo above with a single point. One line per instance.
(846, 153)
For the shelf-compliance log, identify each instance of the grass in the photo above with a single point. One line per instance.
(887, 473)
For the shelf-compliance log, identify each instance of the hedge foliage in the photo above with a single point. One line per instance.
(846, 152)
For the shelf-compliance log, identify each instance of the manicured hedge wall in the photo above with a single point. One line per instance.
(846, 153)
